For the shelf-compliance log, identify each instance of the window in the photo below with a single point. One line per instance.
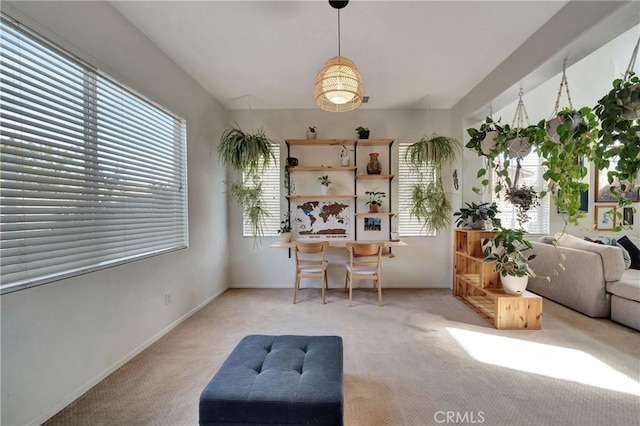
(408, 225)
(530, 175)
(93, 174)
(270, 196)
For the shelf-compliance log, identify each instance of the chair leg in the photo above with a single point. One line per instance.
(295, 288)
(350, 290)
(346, 279)
(379, 292)
(324, 287)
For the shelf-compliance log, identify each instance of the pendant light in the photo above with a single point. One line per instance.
(338, 84)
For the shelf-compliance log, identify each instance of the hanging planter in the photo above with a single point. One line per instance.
(483, 140)
(619, 136)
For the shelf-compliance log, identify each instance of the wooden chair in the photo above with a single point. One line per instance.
(364, 269)
(310, 263)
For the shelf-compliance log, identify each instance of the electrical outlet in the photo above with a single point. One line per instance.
(167, 298)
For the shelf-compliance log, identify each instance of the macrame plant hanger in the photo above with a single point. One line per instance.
(632, 61)
(564, 83)
(518, 120)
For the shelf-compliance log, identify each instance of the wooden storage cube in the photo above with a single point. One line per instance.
(519, 312)
(474, 242)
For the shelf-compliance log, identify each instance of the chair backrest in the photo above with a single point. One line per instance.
(365, 250)
(309, 248)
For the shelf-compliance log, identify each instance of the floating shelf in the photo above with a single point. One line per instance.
(385, 177)
(323, 168)
(321, 197)
(380, 214)
(330, 142)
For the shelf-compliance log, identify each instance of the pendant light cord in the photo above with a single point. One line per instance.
(338, 32)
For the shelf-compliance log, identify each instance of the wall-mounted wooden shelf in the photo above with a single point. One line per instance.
(322, 197)
(379, 214)
(320, 142)
(381, 176)
(323, 168)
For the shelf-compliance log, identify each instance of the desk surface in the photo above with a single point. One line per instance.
(341, 243)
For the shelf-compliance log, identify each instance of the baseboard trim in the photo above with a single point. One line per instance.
(100, 377)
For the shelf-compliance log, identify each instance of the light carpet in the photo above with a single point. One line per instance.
(423, 358)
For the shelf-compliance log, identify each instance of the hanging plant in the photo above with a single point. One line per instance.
(429, 203)
(523, 198)
(619, 136)
(483, 140)
(249, 155)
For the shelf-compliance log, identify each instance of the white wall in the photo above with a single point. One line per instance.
(60, 339)
(425, 263)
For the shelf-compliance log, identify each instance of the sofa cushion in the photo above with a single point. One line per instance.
(634, 251)
(615, 243)
(612, 260)
(628, 287)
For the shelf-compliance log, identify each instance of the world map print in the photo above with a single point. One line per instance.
(327, 218)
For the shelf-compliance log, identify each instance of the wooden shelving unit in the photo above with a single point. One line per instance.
(478, 286)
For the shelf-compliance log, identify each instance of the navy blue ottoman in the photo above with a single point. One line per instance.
(286, 380)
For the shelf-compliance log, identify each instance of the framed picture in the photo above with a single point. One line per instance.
(603, 194)
(584, 202)
(627, 216)
(605, 217)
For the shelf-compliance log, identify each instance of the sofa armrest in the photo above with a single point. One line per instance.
(580, 285)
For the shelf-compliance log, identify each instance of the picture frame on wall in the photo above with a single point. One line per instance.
(605, 217)
(603, 194)
(627, 216)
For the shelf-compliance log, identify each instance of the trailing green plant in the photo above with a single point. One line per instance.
(254, 209)
(478, 137)
(524, 198)
(285, 223)
(375, 198)
(619, 136)
(473, 213)
(510, 251)
(248, 154)
(564, 160)
(430, 204)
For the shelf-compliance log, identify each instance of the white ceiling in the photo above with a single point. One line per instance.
(411, 54)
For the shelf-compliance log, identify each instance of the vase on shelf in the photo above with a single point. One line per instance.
(373, 166)
(324, 190)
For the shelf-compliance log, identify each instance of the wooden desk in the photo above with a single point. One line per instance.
(343, 244)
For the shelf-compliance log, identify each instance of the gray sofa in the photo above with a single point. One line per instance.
(594, 280)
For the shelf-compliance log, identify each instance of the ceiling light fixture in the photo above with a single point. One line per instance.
(338, 84)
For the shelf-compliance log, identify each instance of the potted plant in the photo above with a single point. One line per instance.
(248, 154)
(524, 198)
(474, 216)
(290, 163)
(375, 200)
(619, 136)
(311, 132)
(483, 140)
(395, 232)
(511, 253)
(429, 202)
(324, 182)
(285, 227)
(344, 155)
(363, 132)
(564, 157)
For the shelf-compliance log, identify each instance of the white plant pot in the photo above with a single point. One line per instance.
(519, 147)
(631, 109)
(514, 285)
(324, 190)
(395, 236)
(478, 224)
(285, 236)
(552, 129)
(311, 135)
(489, 142)
(345, 160)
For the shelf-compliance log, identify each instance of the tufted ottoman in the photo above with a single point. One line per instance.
(287, 380)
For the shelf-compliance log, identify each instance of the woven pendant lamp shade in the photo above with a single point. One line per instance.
(338, 86)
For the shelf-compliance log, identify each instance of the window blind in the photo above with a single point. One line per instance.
(407, 224)
(270, 195)
(92, 174)
(530, 175)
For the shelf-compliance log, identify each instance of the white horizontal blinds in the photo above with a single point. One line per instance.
(530, 175)
(407, 224)
(91, 174)
(270, 196)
